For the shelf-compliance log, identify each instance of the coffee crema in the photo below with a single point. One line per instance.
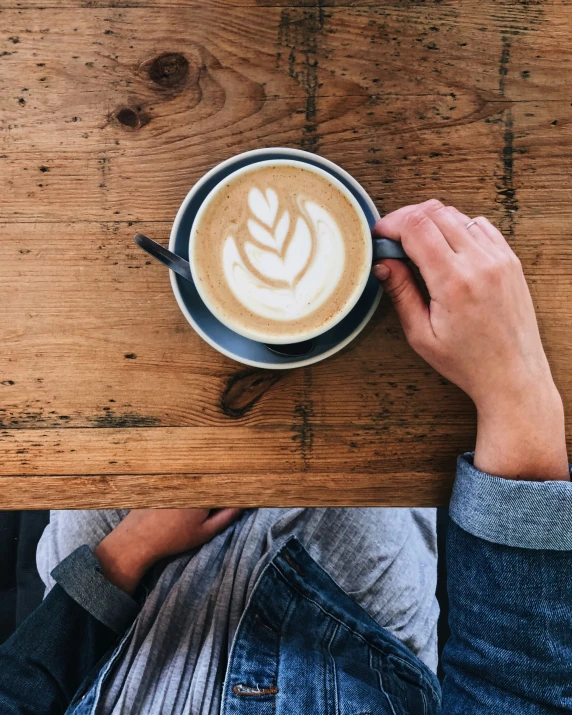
(279, 252)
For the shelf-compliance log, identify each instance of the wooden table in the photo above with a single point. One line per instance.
(110, 111)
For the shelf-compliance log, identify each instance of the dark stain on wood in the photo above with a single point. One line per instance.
(303, 413)
(244, 389)
(503, 63)
(506, 192)
(124, 420)
(299, 31)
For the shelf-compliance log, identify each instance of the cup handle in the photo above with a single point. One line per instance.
(387, 248)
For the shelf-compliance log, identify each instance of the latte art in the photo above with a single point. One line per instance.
(279, 251)
(289, 260)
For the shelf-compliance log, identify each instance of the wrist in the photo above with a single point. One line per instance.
(523, 436)
(122, 560)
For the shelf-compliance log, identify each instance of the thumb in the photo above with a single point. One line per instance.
(220, 519)
(401, 286)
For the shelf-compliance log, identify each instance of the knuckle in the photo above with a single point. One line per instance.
(506, 261)
(484, 221)
(433, 205)
(447, 210)
(417, 218)
(492, 272)
(514, 260)
(398, 291)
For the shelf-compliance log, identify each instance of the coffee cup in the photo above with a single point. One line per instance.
(281, 250)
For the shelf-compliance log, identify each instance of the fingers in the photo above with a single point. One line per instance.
(453, 225)
(422, 240)
(475, 233)
(220, 519)
(401, 286)
(492, 233)
(391, 225)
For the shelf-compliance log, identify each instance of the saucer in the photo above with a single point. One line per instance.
(223, 339)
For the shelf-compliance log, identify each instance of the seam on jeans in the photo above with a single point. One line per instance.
(290, 561)
(351, 630)
(287, 611)
(258, 618)
(333, 666)
(232, 656)
(380, 681)
(411, 667)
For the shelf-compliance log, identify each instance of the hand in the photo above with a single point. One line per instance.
(147, 535)
(480, 332)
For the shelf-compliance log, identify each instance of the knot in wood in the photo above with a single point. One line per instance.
(132, 118)
(169, 70)
(244, 389)
(127, 117)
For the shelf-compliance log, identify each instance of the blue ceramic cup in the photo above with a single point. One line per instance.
(228, 341)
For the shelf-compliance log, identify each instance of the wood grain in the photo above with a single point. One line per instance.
(427, 489)
(110, 111)
(416, 111)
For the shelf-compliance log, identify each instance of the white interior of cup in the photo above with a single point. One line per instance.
(352, 299)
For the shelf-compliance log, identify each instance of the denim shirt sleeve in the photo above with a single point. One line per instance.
(81, 578)
(64, 640)
(527, 515)
(509, 563)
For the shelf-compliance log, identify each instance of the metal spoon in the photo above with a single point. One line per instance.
(170, 259)
(183, 269)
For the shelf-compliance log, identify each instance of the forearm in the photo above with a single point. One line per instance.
(123, 560)
(522, 436)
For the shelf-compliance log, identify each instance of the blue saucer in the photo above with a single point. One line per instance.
(210, 328)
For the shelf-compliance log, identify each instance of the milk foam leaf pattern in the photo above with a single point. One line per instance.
(264, 206)
(287, 262)
(259, 233)
(282, 229)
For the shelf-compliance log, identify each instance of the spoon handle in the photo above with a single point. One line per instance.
(170, 259)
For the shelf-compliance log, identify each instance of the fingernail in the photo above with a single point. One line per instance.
(381, 271)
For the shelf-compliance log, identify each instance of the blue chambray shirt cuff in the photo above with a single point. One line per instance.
(528, 515)
(81, 577)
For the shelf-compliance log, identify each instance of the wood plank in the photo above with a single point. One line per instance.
(101, 135)
(442, 100)
(95, 338)
(305, 446)
(147, 450)
(426, 489)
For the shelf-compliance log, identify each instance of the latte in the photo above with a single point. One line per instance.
(279, 252)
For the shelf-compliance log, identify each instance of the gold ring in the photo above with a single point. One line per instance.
(471, 223)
